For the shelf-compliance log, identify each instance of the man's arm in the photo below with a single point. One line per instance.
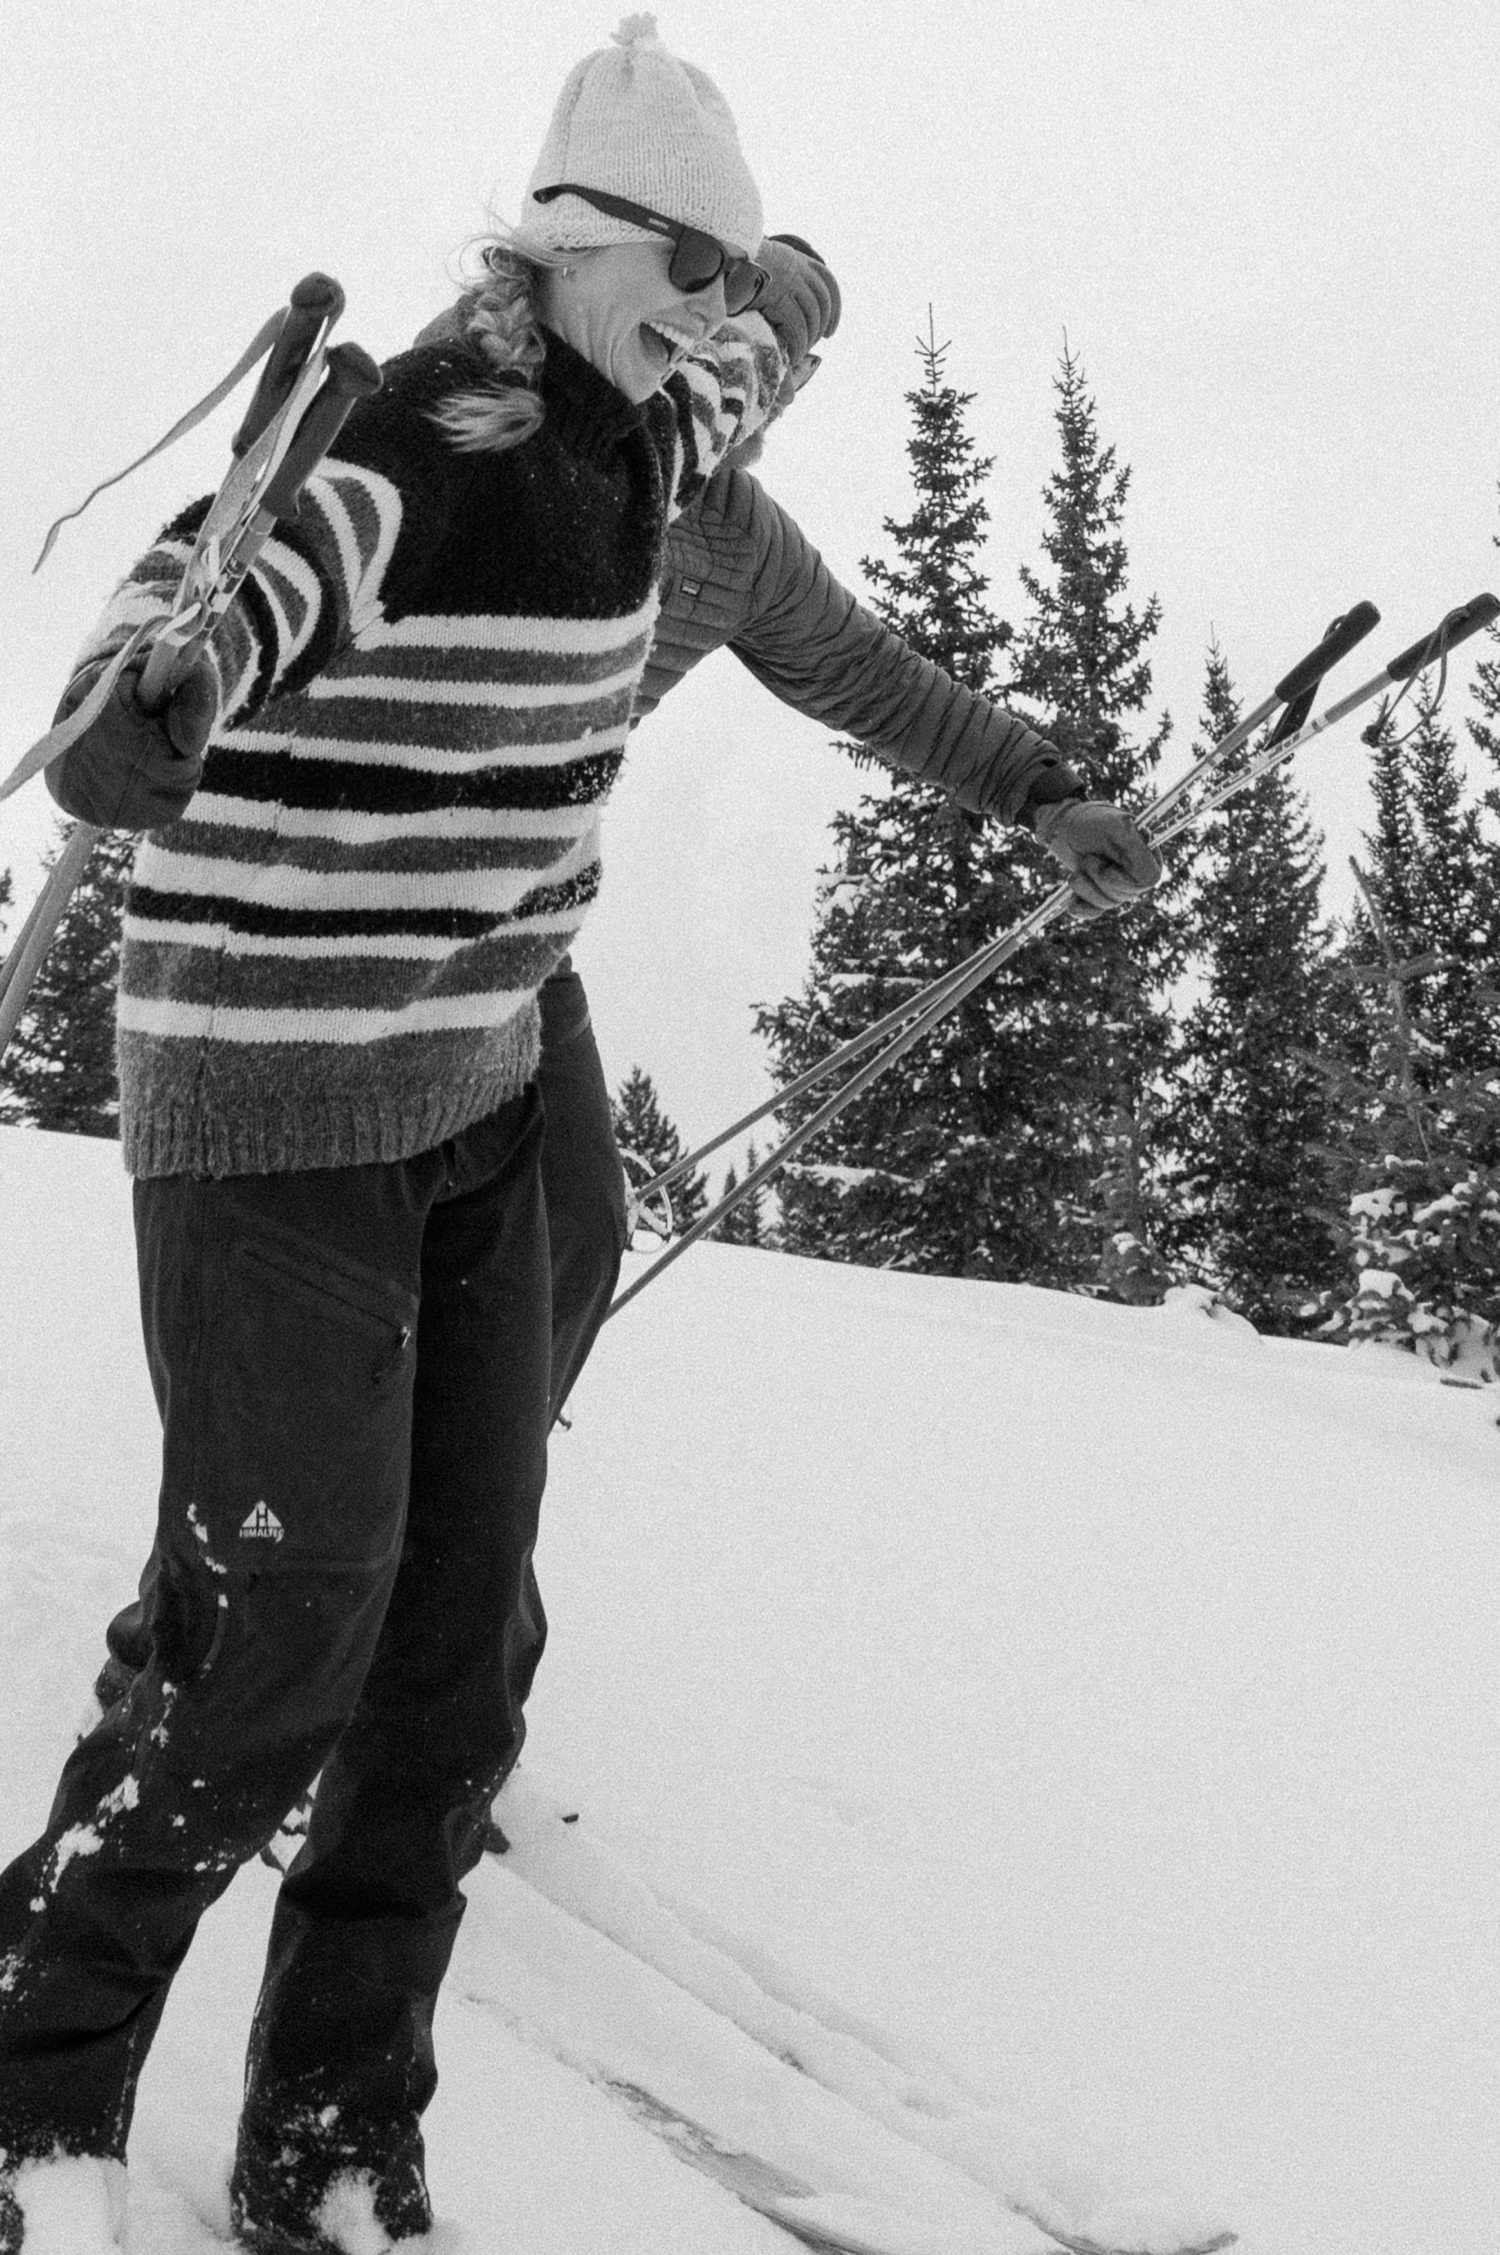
(808, 641)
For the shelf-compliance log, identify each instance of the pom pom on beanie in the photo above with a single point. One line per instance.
(635, 120)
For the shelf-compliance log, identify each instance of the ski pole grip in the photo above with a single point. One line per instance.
(1481, 611)
(1340, 639)
(352, 375)
(315, 304)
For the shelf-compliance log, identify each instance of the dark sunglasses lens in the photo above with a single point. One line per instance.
(697, 261)
(743, 283)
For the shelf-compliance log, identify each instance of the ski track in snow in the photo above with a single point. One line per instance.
(1101, 1700)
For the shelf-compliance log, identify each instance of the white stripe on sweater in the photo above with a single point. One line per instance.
(278, 562)
(550, 637)
(434, 1014)
(401, 946)
(362, 574)
(502, 696)
(491, 891)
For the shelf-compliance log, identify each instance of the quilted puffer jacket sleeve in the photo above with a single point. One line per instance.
(814, 646)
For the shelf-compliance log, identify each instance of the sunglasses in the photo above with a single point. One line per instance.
(697, 261)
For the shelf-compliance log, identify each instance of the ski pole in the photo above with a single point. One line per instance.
(294, 340)
(224, 561)
(1300, 684)
(1455, 627)
(299, 406)
(314, 305)
(26, 957)
(944, 995)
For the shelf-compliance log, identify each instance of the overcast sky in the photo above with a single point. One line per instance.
(1269, 231)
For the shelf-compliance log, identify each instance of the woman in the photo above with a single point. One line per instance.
(328, 1035)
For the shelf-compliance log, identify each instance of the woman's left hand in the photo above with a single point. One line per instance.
(1109, 862)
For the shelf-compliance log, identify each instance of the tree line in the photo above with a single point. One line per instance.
(1224, 1088)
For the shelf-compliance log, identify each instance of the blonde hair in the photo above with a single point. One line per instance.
(500, 313)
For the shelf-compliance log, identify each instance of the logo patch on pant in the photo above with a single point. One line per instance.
(262, 1526)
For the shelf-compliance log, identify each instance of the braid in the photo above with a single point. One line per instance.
(500, 315)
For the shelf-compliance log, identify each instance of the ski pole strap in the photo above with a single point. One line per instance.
(1301, 685)
(1295, 690)
(256, 350)
(290, 336)
(1466, 619)
(217, 569)
(1347, 630)
(1455, 627)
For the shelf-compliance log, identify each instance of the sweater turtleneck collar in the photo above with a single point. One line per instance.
(589, 413)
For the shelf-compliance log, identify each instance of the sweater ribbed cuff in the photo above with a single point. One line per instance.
(1053, 781)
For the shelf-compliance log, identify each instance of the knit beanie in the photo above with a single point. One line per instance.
(635, 121)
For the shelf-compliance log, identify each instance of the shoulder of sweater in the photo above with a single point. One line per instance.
(397, 433)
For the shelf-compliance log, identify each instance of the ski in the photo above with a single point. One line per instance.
(788, 2201)
(801, 2109)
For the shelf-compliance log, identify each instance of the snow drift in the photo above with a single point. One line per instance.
(1098, 1704)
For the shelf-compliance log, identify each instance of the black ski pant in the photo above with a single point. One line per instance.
(582, 1179)
(352, 1367)
(583, 1186)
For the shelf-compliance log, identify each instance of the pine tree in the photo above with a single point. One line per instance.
(948, 1162)
(1436, 873)
(745, 1224)
(1250, 1111)
(649, 1144)
(59, 1071)
(1083, 657)
(1419, 1150)
(1457, 906)
(1486, 729)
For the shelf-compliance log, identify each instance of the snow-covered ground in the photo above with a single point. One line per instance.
(1101, 1699)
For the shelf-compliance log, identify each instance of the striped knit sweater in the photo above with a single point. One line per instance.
(426, 684)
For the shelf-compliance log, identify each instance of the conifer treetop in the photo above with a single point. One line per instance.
(935, 595)
(1082, 657)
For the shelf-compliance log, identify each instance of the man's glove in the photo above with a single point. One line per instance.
(801, 300)
(133, 770)
(1107, 859)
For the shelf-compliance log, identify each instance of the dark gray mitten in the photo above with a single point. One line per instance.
(133, 770)
(1109, 863)
(801, 300)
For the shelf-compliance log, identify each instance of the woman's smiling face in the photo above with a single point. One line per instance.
(617, 307)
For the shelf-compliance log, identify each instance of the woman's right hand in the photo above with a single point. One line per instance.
(801, 300)
(133, 770)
